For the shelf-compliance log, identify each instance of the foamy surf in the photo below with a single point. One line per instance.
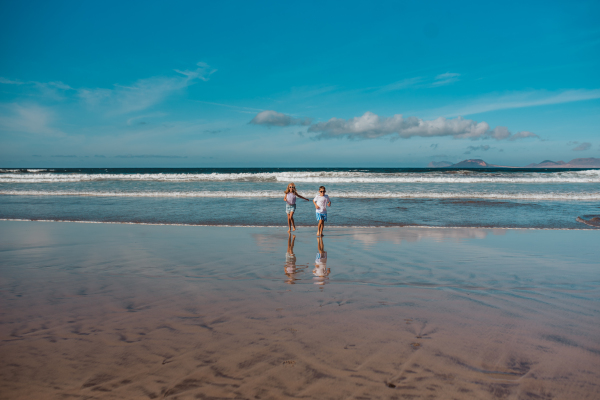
(466, 177)
(540, 196)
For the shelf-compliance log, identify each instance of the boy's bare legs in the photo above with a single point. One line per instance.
(320, 227)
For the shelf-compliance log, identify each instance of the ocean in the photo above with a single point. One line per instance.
(361, 197)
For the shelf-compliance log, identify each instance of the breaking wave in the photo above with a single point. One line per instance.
(43, 176)
(539, 196)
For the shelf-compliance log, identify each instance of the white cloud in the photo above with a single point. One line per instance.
(27, 118)
(372, 126)
(274, 118)
(583, 146)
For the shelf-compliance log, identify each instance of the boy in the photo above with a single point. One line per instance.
(321, 203)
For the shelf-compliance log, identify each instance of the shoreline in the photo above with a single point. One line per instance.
(329, 226)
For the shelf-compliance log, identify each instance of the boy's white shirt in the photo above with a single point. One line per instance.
(322, 203)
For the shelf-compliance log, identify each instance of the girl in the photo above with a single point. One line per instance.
(290, 206)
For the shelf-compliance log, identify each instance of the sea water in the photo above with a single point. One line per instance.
(503, 198)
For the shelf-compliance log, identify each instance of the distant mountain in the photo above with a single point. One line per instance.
(585, 162)
(439, 164)
(547, 164)
(575, 163)
(478, 163)
(473, 163)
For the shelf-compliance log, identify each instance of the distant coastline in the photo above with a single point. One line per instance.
(478, 163)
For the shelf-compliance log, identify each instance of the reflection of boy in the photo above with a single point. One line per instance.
(321, 272)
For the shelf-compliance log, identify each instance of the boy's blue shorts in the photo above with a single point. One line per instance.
(322, 217)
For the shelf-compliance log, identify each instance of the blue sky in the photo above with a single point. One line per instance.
(268, 84)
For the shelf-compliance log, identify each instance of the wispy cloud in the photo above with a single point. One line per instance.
(372, 126)
(144, 93)
(523, 135)
(403, 84)
(123, 99)
(64, 156)
(27, 118)
(522, 100)
(246, 110)
(147, 156)
(274, 118)
(470, 149)
(202, 72)
(445, 79)
(215, 131)
(583, 146)
(52, 90)
(133, 120)
(419, 81)
(6, 81)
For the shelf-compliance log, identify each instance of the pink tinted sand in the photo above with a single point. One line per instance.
(126, 312)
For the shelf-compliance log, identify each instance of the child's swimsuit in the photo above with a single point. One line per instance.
(290, 200)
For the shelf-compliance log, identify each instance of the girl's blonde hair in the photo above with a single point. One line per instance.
(287, 189)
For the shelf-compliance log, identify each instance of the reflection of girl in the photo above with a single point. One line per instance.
(321, 272)
(290, 204)
(290, 261)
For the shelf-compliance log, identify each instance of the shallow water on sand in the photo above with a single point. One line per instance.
(130, 311)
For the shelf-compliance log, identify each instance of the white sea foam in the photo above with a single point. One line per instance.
(584, 176)
(539, 196)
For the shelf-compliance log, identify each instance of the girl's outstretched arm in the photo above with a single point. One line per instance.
(302, 197)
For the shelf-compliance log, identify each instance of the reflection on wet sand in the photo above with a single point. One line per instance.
(137, 312)
(417, 234)
(291, 269)
(321, 272)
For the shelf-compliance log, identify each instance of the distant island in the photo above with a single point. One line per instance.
(478, 163)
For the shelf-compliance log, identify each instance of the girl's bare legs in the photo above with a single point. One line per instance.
(291, 223)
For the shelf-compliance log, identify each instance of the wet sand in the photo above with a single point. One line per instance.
(97, 311)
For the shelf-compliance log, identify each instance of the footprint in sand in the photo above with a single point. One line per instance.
(423, 332)
(289, 363)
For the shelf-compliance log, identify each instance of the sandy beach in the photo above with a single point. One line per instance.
(111, 311)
